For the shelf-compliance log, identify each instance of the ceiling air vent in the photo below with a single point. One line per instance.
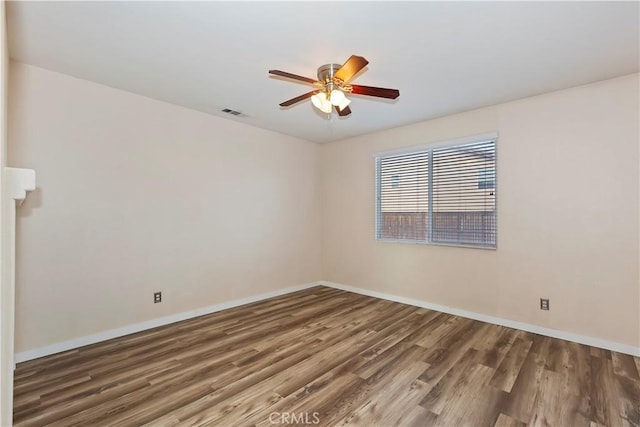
(232, 112)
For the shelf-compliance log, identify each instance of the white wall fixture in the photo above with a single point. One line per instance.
(16, 184)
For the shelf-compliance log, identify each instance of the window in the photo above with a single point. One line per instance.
(487, 179)
(442, 195)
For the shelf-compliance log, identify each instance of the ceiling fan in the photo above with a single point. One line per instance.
(332, 84)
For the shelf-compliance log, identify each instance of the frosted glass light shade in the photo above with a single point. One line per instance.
(339, 99)
(321, 102)
(317, 102)
(344, 103)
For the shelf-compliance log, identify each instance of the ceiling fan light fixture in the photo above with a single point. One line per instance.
(331, 85)
(337, 97)
(321, 102)
(344, 104)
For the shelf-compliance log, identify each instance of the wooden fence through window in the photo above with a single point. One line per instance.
(448, 227)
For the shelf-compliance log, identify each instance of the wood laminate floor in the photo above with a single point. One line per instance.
(328, 357)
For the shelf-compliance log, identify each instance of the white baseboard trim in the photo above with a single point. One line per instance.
(138, 327)
(554, 333)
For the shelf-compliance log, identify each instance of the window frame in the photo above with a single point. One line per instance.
(429, 147)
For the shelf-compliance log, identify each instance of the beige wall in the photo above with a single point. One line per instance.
(136, 196)
(568, 199)
(6, 301)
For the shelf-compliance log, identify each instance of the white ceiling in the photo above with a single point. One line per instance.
(444, 57)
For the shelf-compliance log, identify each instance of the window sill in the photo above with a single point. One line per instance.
(453, 245)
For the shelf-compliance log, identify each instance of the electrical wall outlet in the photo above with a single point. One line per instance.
(544, 303)
(157, 297)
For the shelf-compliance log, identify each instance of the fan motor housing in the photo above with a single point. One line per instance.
(327, 71)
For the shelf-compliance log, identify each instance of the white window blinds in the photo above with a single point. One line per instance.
(403, 196)
(443, 195)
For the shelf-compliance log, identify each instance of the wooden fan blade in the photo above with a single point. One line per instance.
(380, 92)
(292, 76)
(350, 68)
(298, 98)
(344, 112)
